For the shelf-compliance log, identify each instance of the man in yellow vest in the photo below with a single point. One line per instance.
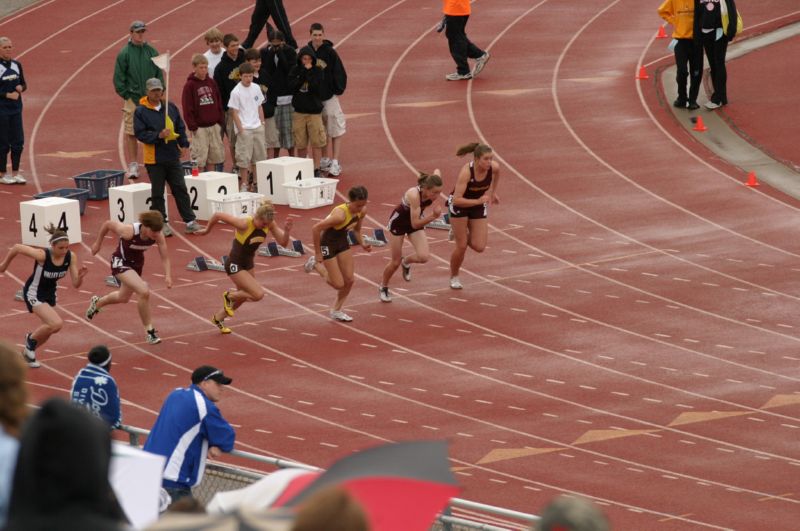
(688, 55)
(456, 14)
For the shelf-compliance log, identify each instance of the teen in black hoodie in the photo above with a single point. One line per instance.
(305, 81)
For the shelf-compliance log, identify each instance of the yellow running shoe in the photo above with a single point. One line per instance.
(221, 325)
(227, 304)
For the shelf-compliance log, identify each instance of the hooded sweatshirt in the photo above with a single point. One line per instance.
(148, 123)
(680, 15)
(306, 84)
(226, 75)
(335, 76)
(202, 103)
(278, 63)
(61, 480)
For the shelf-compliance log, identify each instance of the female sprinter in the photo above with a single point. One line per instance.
(332, 257)
(127, 262)
(408, 219)
(468, 204)
(49, 266)
(251, 231)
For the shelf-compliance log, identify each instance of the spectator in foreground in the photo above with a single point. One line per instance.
(13, 410)
(190, 428)
(332, 509)
(573, 514)
(95, 389)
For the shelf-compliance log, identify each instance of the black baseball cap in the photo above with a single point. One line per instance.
(207, 372)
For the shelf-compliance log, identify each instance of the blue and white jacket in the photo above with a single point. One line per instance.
(188, 424)
(10, 76)
(95, 389)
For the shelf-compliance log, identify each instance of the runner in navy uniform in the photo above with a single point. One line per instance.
(39, 293)
(468, 204)
(332, 258)
(408, 219)
(127, 262)
(251, 231)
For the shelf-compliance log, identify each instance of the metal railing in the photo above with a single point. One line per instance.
(222, 477)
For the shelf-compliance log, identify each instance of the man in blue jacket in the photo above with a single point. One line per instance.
(190, 428)
(95, 389)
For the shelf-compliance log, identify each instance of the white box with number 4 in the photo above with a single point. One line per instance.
(273, 173)
(125, 203)
(34, 216)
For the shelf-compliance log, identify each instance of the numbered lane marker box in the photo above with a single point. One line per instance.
(273, 173)
(207, 185)
(125, 203)
(63, 213)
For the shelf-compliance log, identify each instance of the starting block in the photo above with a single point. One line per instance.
(201, 263)
(378, 239)
(441, 223)
(273, 249)
(112, 281)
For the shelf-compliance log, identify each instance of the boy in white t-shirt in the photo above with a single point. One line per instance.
(215, 50)
(248, 116)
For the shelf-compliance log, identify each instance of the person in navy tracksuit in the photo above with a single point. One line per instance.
(12, 136)
(95, 389)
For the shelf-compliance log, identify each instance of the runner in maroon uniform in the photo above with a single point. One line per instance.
(408, 219)
(127, 262)
(468, 204)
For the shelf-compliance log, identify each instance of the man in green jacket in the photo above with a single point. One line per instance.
(131, 71)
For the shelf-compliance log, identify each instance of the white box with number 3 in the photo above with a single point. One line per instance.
(125, 203)
(34, 216)
(273, 173)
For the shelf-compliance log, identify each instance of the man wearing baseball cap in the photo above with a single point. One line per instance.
(95, 389)
(190, 428)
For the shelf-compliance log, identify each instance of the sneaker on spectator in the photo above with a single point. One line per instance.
(308, 267)
(152, 337)
(93, 309)
(243, 187)
(8, 179)
(167, 230)
(383, 291)
(711, 105)
(406, 270)
(133, 171)
(455, 283)
(221, 325)
(455, 76)
(19, 179)
(339, 315)
(192, 227)
(324, 163)
(480, 63)
(317, 173)
(335, 168)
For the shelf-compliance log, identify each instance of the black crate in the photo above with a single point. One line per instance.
(70, 193)
(99, 181)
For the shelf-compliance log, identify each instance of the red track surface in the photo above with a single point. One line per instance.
(630, 334)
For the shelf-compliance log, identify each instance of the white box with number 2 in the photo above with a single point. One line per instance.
(62, 213)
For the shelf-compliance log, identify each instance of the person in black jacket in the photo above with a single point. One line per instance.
(226, 76)
(713, 34)
(277, 61)
(306, 81)
(334, 84)
(263, 10)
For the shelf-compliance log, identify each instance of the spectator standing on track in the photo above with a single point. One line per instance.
(215, 50)
(332, 258)
(131, 71)
(95, 389)
(468, 204)
(127, 263)
(250, 233)
(39, 293)
(688, 55)
(715, 25)
(189, 428)
(226, 75)
(277, 60)
(12, 135)
(408, 220)
(158, 125)
(305, 82)
(261, 79)
(334, 84)
(13, 410)
(263, 10)
(248, 117)
(456, 15)
(204, 116)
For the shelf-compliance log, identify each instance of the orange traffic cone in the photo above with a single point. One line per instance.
(699, 125)
(751, 179)
(642, 74)
(661, 33)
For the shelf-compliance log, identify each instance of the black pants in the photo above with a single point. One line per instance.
(12, 138)
(169, 173)
(265, 9)
(715, 53)
(461, 47)
(689, 66)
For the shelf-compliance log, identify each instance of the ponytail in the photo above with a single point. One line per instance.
(266, 210)
(55, 234)
(428, 180)
(477, 149)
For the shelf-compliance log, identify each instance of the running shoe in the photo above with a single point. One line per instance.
(19, 179)
(8, 179)
(192, 227)
(711, 105)
(339, 315)
(28, 352)
(455, 283)
(406, 270)
(133, 171)
(383, 291)
(455, 76)
(226, 302)
(324, 164)
(93, 309)
(220, 324)
(480, 63)
(166, 230)
(335, 168)
(152, 337)
(308, 267)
